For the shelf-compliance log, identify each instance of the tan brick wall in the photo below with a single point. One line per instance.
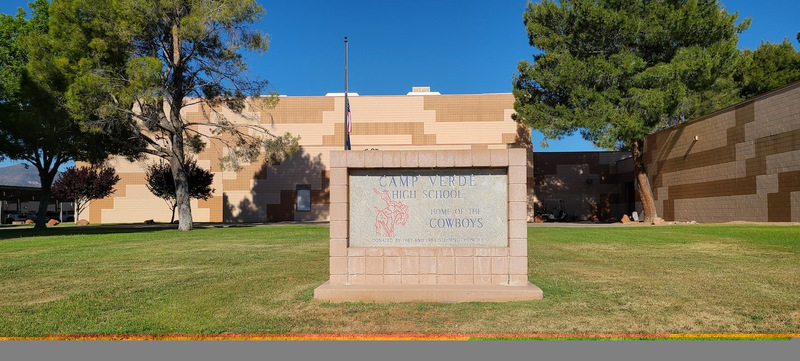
(737, 164)
(133, 202)
(261, 192)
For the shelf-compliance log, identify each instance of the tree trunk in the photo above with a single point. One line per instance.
(640, 173)
(46, 177)
(178, 160)
(181, 193)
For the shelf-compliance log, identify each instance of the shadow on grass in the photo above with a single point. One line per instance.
(25, 232)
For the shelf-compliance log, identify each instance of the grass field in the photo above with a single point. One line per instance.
(260, 280)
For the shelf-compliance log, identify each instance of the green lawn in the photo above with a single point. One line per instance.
(256, 280)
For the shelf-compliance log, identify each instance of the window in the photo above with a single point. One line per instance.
(303, 192)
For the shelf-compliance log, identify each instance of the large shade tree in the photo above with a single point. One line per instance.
(615, 71)
(35, 126)
(150, 59)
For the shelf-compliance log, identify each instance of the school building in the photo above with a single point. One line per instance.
(737, 164)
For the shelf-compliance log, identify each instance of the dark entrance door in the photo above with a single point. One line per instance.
(630, 197)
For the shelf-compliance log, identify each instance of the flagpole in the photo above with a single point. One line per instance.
(346, 103)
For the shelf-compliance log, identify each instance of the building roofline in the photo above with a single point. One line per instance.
(385, 95)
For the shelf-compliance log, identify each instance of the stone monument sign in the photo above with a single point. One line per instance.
(428, 208)
(430, 226)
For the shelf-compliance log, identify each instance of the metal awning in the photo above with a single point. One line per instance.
(22, 194)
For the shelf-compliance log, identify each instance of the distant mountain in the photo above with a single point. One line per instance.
(17, 175)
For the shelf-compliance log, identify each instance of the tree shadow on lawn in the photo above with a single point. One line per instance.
(7, 233)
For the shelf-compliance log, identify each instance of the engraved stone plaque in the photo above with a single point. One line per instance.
(428, 207)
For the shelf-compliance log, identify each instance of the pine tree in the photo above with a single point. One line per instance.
(615, 71)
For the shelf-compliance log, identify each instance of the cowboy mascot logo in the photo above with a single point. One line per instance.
(395, 213)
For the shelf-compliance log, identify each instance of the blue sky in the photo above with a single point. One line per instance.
(455, 47)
